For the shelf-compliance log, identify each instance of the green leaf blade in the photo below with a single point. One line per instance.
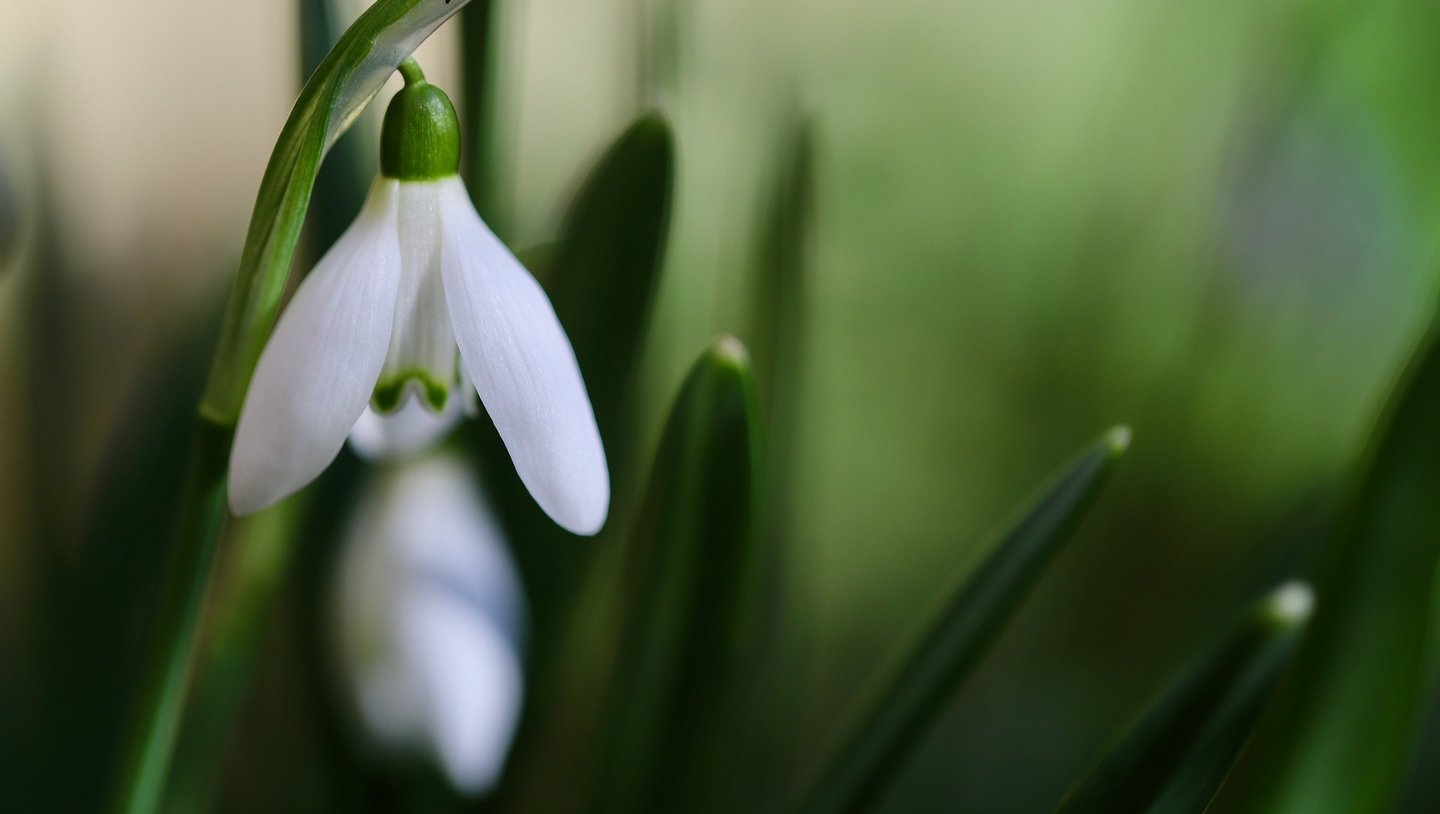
(1347, 716)
(676, 714)
(1174, 759)
(890, 722)
(605, 270)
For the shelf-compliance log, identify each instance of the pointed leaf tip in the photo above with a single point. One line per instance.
(888, 724)
(1291, 604)
(692, 626)
(1118, 439)
(1175, 756)
(727, 351)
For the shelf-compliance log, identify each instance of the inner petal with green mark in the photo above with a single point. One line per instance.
(422, 355)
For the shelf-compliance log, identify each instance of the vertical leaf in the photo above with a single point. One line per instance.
(781, 284)
(1340, 735)
(676, 715)
(344, 177)
(1173, 760)
(890, 721)
(477, 61)
(606, 268)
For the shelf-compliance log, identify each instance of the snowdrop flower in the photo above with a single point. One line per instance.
(417, 304)
(431, 622)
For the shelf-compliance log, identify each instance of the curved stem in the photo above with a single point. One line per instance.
(410, 70)
(150, 738)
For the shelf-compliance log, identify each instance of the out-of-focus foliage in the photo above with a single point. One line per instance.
(1011, 223)
(1176, 756)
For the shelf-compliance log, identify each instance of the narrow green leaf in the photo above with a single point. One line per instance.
(100, 598)
(345, 175)
(891, 720)
(258, 561)
(367, 53)
(1173, 760)
(605, 269)
(779, 317)
(661, 30)
(779, 320)
(781, 284)
(156, 716)
(1347, 716)
(477, 68)
(677, 720)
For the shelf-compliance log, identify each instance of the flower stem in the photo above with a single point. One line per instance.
(151, 735)
(410, 70)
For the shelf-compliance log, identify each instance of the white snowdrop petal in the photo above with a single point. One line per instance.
(522, 365)
(431, 617)
(450, 535)
(473, 684)
(320, 366)
(421, 359)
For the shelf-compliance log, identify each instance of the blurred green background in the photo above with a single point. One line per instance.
(1215, 222)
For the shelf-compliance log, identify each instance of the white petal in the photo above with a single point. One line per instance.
(410, 430)
(442, 529)
(320, 366)
(431, 620)
(421, 359)
(516, 353)
(473, 685)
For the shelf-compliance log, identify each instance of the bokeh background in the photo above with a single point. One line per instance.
(1214, 222)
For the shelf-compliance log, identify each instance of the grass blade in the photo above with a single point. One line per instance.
(675, 715)
(1347, 716)
(1173, 760)
(890, 722)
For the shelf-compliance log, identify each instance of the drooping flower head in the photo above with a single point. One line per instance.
(431, 622)
(418, 303)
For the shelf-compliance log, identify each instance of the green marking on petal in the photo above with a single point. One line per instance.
(390, 391)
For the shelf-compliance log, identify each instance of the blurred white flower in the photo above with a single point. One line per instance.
(431, 622)
(416, 301)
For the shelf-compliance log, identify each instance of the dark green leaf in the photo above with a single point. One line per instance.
(781, 284)
(155, 718)
(477, 61)
(890, 721)
(606, 267)
(1346, 719)
(677, 718)
(349, 167)
(1173, 760)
